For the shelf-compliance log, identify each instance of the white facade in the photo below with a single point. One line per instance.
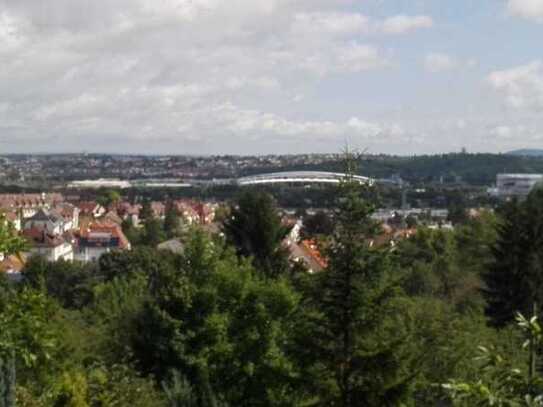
(88, 254)
(64, 251)
(516, 185)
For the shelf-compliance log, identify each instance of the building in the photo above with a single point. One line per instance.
(308, 253)
(28, 204)
(46, 221)
(99, 238)
(51, 246)
(91, 209)
(12, 266)
(516, 185)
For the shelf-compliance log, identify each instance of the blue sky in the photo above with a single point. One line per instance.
(273, 76)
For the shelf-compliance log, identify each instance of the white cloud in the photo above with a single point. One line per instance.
(356, 57)
(441, 62)
(503, 132)
(402, 24)
(438, 62)
(356, 23)
(529, 9)
(521, 86)
(331, 22)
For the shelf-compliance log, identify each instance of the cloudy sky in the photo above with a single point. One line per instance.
(270, 76)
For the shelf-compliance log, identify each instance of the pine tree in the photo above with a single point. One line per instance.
(171, 221)
(146, 212)
(353, 308)
(514, 279)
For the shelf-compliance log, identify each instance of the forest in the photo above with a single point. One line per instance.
(443, 318)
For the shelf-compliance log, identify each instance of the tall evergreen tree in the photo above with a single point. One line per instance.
(171, 221)
(146, 212)
(353, 305)
(256, 230)
(514, 279)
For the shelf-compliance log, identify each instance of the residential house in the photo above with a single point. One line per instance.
(99, 238)
(91, 209)
(12, 266)
(52, 246)
(308, 253)
(47, 221)
(28, 204)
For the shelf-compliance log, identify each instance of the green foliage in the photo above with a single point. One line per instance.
(172, 222)
(7, 380)
(514, 278)
(144, 262)
(255, 229)
(109, 197)
(434, 266)
(146, 212)
(153, 233)
(501, 382)
(132, 233)
(10, 241)
(318, 224)
(70, 283)
(25, 331)
(358, 349)
(220, 325)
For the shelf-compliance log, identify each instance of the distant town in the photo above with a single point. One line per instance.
(62, 204)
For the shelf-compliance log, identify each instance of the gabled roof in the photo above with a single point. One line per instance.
(44, 216)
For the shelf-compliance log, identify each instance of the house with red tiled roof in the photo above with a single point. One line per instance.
(187, 212)
(28, 204)
(91, 209)
(12, 266)
(96, 239)
(52, 246)
(307, 252)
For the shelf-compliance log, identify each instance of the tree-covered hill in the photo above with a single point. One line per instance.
(475, 169)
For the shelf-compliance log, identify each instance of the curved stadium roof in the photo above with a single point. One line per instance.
(303, 177)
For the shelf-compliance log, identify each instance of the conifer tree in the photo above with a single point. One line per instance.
(514, 279)
(353, 306)
(171, 221)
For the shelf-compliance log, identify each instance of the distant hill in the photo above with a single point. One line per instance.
(526, 152)
(474, 169)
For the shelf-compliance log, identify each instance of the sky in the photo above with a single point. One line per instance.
(270, 76)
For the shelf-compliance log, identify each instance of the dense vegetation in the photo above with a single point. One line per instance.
(474, 169)
(231, 322)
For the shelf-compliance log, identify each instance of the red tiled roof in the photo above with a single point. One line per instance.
(106, 227)
(311, 247)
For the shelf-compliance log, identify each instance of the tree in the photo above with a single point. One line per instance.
(7, 381)
(171, 221)
(132, 233)
(109, 197)
(501, 382)
(318, 224)
(514, 278)
(10, 241)
(357, 362)
(70, 283)
(153, 233)
(220, 325)
(256, 230)
(146, 212)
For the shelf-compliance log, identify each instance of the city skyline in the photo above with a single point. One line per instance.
(206, 77)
